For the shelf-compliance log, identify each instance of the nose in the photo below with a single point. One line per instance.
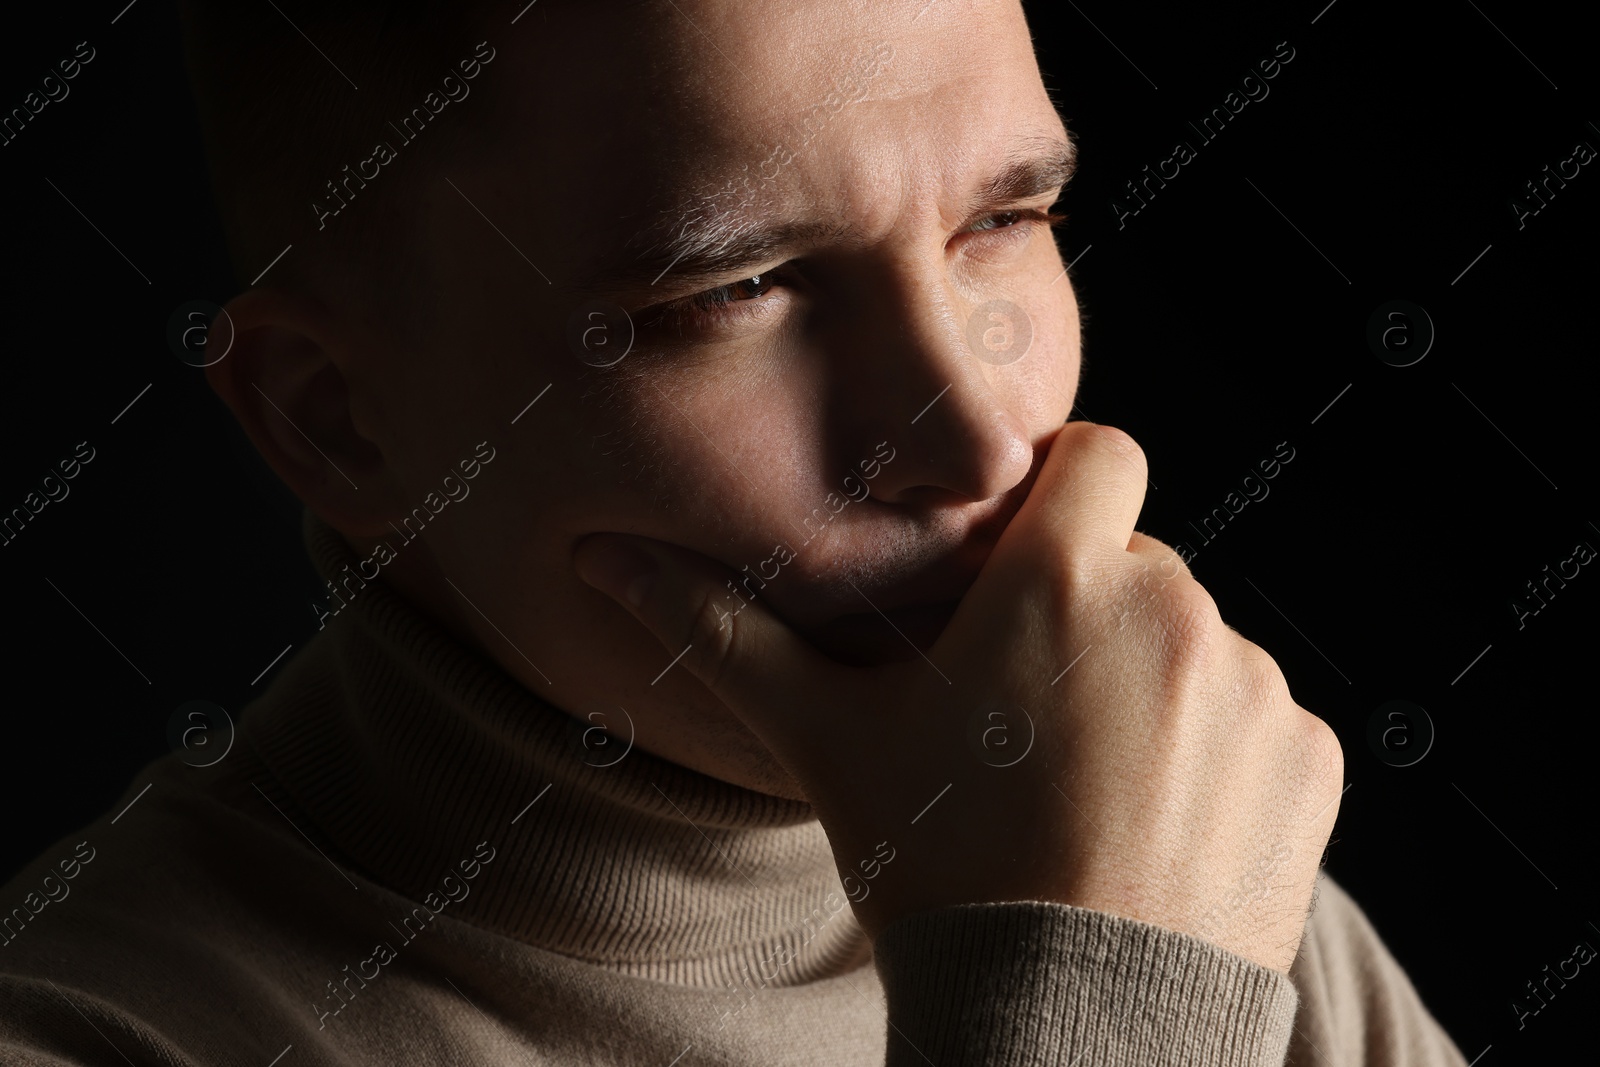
(908, 377)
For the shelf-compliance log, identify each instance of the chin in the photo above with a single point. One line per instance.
(872, 638)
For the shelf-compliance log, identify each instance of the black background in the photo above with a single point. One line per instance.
(1384, 561)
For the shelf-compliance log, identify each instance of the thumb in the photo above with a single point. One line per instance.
(772, 679)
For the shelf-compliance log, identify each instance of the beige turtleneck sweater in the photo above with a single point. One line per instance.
(407, 858)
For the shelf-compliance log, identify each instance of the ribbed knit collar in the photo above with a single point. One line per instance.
(404, 750)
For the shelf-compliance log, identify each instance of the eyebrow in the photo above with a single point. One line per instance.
(1042, 166)
(720, 247)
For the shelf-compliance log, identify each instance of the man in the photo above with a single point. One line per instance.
(728, 655)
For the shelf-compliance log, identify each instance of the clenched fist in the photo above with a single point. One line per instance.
(1158, 768)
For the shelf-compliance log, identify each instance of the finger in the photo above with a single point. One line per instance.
(1084, 504)
(1090, 489)
(1163, 567)
(1162, 558)
(782, 688)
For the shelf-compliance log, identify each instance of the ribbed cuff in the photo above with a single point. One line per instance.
(1034, 984)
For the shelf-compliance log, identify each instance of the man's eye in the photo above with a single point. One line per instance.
(714, 307)
(998, 222)
(1005, 220)
(737, 300)
(750, 288)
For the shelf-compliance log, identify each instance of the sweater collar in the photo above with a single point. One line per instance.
(408, 752)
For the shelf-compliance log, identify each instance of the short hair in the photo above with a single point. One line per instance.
(290, 95)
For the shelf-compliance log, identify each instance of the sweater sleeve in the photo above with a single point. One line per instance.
(1357, 1007)
(1035, 984)
(1031, 984)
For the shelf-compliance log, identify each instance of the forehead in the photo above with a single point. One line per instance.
(676, 115)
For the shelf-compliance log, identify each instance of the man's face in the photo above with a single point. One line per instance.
(807, 409)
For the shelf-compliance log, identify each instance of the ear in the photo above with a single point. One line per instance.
(283, 379)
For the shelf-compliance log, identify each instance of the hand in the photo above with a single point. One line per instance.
(1172, 778)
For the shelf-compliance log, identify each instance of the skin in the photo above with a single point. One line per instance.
(677, 442)
(594, 550)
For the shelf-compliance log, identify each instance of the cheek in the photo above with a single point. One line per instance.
(1043, 385)
(709, 455)
(736, 448)
(1069, 339)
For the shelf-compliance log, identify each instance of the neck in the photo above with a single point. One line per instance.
(405, 753)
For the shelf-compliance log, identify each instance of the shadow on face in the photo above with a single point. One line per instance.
(777, 288)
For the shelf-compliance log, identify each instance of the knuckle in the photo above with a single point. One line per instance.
(1187, 636)
(1123, 444)
(1251, 702)
(1322, 757)
(1320, 762)
(1073, 574)
(1191, 622)
(1164, 561)
(1261, 677)
(713, 634)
